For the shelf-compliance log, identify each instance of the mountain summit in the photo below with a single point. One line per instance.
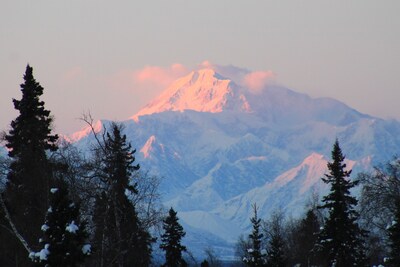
(221, 146)
(203, 90)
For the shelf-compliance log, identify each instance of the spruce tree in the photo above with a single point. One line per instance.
(340, 242)
(171, 240)
(119, 238)
(30, 172)
(394, 238)
(276, 244)
(64, 241)
(306, 237)
(204, 263)
(255, 256)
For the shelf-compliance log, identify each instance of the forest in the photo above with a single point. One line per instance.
(61, 206)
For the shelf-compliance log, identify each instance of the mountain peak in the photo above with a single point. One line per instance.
(203, 90)
(207, 74)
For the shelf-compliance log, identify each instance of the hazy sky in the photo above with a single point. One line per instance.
(112, 57)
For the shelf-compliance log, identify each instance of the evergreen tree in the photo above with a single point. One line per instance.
(64, 241)
(394, 238)
(30, 173)
(119, 238)
(276, 251)
(255, 256)
(340, 241)
(204, 263)
(171, 241)
(381, 187)
(276, 244)
(307, 236)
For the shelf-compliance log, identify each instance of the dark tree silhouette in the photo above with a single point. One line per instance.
(29, 177)
(394, 238)
(204, 263)
(276, 245)
(171, 241)
(119, 238)
(255, 257)
(381, 188)
(65, 237)
(303, 236)
(340, 242)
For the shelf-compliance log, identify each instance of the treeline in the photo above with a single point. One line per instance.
(336, 231)
(63, 207)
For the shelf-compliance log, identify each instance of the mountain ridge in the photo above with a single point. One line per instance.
(203, 90)
(216, 160)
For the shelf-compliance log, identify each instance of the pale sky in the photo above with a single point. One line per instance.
(112, 57)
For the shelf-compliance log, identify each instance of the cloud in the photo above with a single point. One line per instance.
(256, 81)
(159, 76)
(206, 64)
(148, 82)
(228, 71)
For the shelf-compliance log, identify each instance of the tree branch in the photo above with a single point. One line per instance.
(14, 229)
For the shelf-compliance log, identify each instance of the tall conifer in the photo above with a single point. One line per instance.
(171, 240)
(340, 241)
(255, 256)
(30, 173)
(120, 239)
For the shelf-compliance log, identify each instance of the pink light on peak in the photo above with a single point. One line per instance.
(208, 88)
(148, 147)
(97, 127)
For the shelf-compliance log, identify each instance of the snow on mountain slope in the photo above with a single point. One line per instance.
(220, 147)
(289, 192)
(206, 91)
(201, 90)
(148, 148)
(86, 131)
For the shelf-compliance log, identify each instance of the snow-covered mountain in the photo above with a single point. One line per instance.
(220, 147)
(203, 90)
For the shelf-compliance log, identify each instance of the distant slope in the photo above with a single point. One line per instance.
(220, 147)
